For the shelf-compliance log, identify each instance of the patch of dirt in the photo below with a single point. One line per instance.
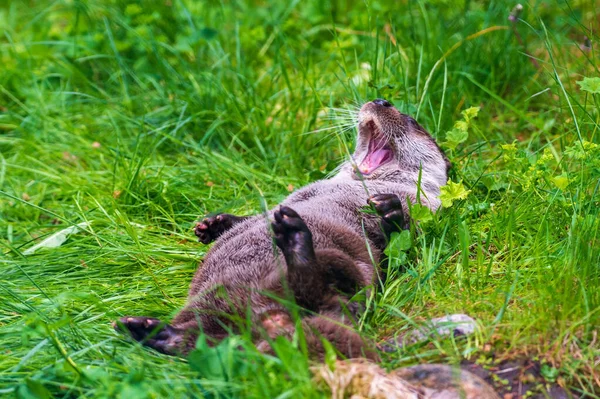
(519, 378)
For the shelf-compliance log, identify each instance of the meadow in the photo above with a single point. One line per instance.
(123, 123)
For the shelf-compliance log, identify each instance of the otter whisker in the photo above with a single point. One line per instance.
(343, 128)
(353, 112)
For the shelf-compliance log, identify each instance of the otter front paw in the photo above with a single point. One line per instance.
(293, 237)
(210, 228)
(389, 207)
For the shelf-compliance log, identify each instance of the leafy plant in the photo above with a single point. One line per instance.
(452, 192)
(460, 132)
(144, 117)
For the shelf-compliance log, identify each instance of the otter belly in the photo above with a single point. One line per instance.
(246, 255)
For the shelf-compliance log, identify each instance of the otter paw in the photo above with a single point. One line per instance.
(152, 333)
(277, 323)
(210, 228)
(292, 236)
(389, 207)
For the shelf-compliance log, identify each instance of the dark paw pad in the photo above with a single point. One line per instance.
(292, 236)
(389, 207)
(210, 228)
(152, 333)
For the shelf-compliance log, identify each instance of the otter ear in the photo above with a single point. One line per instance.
(415, 125)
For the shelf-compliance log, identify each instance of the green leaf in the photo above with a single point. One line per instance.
(461, 125)
(399, 242)
(456, 136)
(33, 389)
(591, 85)
(208, 361)
(403, 240)
(493, 183)
(470, 113)
(549, 373)
(452, 192)
(561, 181)
(207, 364)
(460, 131)
(420, 213)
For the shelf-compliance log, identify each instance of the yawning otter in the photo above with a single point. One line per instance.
(326, 246)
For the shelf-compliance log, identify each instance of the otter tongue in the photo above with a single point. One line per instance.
(373, 160)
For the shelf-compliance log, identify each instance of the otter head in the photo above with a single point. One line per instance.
(391, 143)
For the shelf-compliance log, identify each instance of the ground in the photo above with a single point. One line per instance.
(131, 121)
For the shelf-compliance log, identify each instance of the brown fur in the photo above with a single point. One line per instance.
(244, 270)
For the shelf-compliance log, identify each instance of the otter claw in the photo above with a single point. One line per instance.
(389, 207)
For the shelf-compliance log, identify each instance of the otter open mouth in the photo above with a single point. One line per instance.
(379, 151)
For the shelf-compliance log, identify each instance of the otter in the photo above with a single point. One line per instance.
(318, 247)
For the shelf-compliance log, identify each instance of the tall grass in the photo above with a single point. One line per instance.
(140, 118)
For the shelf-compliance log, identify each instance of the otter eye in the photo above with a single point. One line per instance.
(383, 102)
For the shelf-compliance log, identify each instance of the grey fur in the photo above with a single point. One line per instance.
(244, 263)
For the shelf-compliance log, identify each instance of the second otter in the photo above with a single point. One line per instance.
(326, 247)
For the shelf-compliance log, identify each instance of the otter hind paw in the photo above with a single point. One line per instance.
(152, 333)
(292, 236)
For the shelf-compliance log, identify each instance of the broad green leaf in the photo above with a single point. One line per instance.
(421, 213)
(493, 183)
(454, 137)
(591, 85)
(561, 181)
(461, 125)
(470, 113)
(403, 240)
(399, 242)
(452, 192)
(509, 147)
(549, 373)
(460, 131)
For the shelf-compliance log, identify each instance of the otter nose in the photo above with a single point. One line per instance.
(380, 101)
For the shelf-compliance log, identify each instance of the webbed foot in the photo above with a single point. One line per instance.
(293, 237)
(152, 333)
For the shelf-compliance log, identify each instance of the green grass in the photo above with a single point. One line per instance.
(140, 119)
